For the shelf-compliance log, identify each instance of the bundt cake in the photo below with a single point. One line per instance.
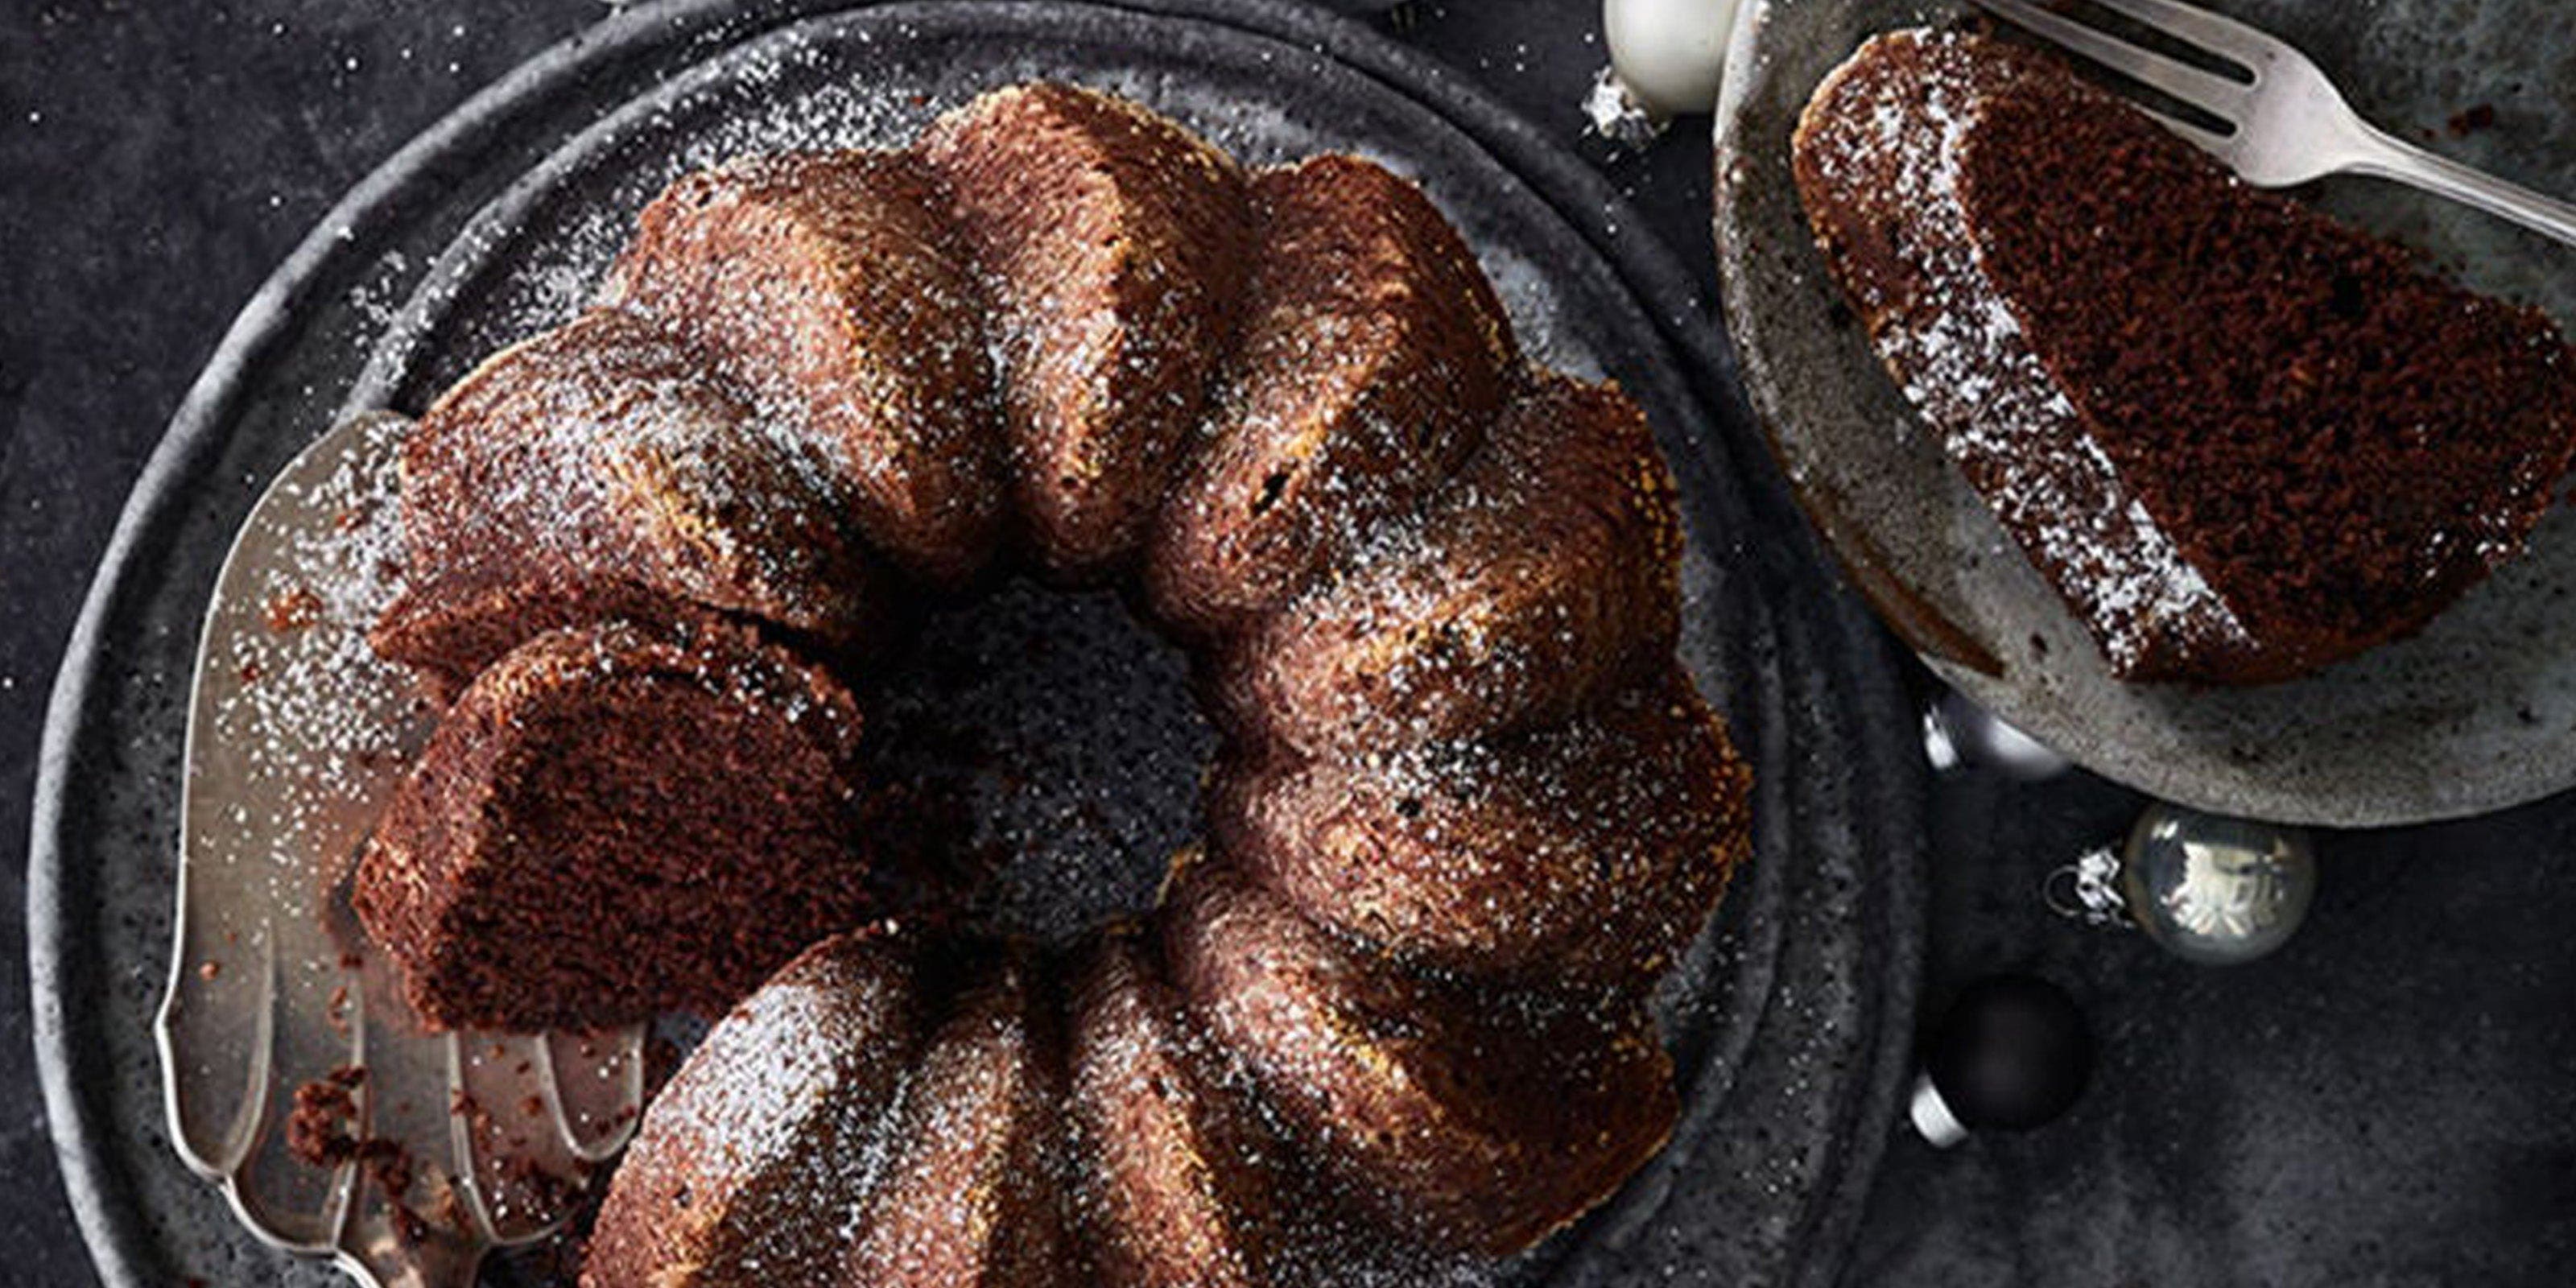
(2242, 440)
(1469, 806)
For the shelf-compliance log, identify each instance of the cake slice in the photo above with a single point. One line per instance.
(1586, 853)
(830, 284)
(1538, 580)
(1112, 243)
(747, 1165)
(1374, 355)
(618, 820)
(1470, 1120)
(2242, 440)
(601, 467)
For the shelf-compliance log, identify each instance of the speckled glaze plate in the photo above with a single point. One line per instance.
(1791, 1021)
(2476, 713)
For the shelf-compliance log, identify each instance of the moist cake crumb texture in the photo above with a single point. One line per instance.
(2242, 440)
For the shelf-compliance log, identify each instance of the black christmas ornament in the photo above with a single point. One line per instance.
(2013, 1052)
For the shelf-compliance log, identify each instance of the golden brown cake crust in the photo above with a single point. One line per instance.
(1540, 577)
(1176, 1180)
(831, 284)
(969, 1194)
(1113, 244)
(600, 463)
(1373, 357)
(750, 1159)
(1588, 852)
(1472, 1119)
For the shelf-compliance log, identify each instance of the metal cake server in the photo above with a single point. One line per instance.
(442, 1146)
(2285, 123)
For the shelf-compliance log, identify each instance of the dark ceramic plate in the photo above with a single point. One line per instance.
(2476, 713)
(1791, 1021)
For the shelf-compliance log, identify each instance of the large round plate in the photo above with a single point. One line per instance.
(1793, 1022)
(2476, 713)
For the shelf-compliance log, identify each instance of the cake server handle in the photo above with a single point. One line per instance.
(2388, 157)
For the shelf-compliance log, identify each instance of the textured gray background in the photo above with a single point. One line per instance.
(2391, 1100)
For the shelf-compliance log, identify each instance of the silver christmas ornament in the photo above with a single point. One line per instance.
(1959, 734)
(2209, 889)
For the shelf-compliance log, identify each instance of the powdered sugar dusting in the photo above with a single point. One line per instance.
(603, 449)
(1959, 352)
(754, 1161)
(762, 1094)
(319, 568)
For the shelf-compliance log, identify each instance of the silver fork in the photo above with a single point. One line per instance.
(2285, 122)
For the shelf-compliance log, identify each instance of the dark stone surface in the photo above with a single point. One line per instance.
(2390, 1100)
(2385, 1101)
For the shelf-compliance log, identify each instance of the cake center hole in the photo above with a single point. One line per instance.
(1047, 739)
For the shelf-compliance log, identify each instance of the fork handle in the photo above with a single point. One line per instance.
(2393, 158)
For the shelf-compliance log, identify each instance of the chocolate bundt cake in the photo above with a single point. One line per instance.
(2242, 440)
(570, 849)
(1468, 810)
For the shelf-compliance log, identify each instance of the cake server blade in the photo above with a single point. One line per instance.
(279, 1019)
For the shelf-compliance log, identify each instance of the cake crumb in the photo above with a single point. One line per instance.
(293, 610)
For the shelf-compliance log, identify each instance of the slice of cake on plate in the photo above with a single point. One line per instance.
(2242, 440)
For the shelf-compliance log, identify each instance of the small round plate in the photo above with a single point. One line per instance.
(2476, 713)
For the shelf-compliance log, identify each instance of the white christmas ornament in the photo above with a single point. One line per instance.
(1668, 54)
